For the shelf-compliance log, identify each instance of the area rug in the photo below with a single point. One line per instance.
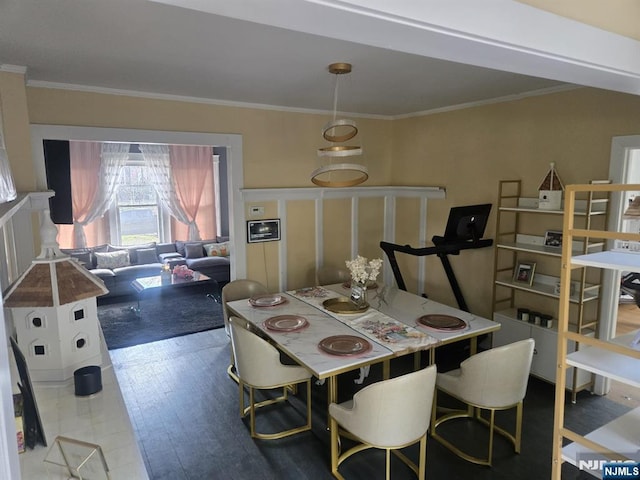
(163, 314)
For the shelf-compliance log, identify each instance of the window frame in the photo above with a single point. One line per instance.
(164, 219)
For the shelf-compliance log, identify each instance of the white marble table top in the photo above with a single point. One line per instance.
(397, 304)
(303, 344)
(409, 307)
(399, 337)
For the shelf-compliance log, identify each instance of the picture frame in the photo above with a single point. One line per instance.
(553, 239)
(33, 431)
(524, 273)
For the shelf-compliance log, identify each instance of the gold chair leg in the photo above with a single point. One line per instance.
(388, 464)
(434, 408)
(473, 412)
(518, 427)
(422, 465)
(492, 423)
(335, 451)
(252, 413)
(241, 393)
(253, 405)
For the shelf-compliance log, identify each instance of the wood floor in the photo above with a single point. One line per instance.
(184, 409)
(628, 321)
(628, 318)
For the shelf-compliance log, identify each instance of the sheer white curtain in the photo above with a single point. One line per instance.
(157, 158)
(113, 158)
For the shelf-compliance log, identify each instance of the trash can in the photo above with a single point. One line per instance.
(88, 380)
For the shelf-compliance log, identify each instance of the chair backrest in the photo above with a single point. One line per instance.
(257, 362)
(397, 411)
(328, 274)
(497, 377)
(237, 290)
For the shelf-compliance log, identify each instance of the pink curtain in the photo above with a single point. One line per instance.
(85, 184)
(192, 173)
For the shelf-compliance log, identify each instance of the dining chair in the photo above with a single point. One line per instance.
(492, 380)
(237, 290)
(328, 274)
(258, 367)
(388, 415)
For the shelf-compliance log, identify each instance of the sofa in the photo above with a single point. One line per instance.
(117, 266)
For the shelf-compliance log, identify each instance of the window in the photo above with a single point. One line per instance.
(136, 217)
(138, 212)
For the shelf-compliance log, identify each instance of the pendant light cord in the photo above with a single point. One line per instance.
(335, 99)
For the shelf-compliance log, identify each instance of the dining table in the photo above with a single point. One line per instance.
(320, 328)
(395, 323)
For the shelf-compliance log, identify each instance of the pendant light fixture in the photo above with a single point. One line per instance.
(337, 131)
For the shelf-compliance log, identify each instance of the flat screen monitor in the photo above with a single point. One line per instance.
(467, 223)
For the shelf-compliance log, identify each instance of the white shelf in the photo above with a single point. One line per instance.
(512, 314)
(600, 358)
(530, 205)
(622, 368)
(609, 259)
(530, 248)
(550, 212)
(545, 289)
(620, 435)
(531, 210)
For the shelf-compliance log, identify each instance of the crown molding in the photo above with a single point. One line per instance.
(480, 103)
(259, 106)
(183, 98)
(5, 67)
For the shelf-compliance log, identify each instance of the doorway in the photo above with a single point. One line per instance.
(624, 168)
(621, 310)
(227, 144)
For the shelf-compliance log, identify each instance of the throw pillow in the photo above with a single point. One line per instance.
(217, 249)
(166, 248)
(193, 250)
(146, 256)
(111, 260)
(84, 258)
(132, 249)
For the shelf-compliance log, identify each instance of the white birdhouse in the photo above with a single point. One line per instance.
(55, 313)
(550, 190)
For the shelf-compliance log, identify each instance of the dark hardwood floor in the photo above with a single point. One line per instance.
(184, 409)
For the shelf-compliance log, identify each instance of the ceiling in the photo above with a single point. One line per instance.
(159, 48)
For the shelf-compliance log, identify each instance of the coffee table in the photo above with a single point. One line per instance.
(145, 284)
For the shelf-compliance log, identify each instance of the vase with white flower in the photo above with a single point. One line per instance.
(363, 273)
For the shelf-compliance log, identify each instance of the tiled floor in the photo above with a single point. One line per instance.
(184, 410)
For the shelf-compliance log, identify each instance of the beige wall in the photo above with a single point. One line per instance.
(13, 104)
(618, 16)
(279, 148)
(467, 151)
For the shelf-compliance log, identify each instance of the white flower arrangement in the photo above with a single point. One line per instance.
(362, 270)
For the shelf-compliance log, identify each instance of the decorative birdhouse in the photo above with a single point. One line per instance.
(550, 190)
(55, 313)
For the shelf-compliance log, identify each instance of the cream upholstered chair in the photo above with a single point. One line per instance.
(495, 379)
(388, 415)
(258, 367)
(237, 290)
(328, 274)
